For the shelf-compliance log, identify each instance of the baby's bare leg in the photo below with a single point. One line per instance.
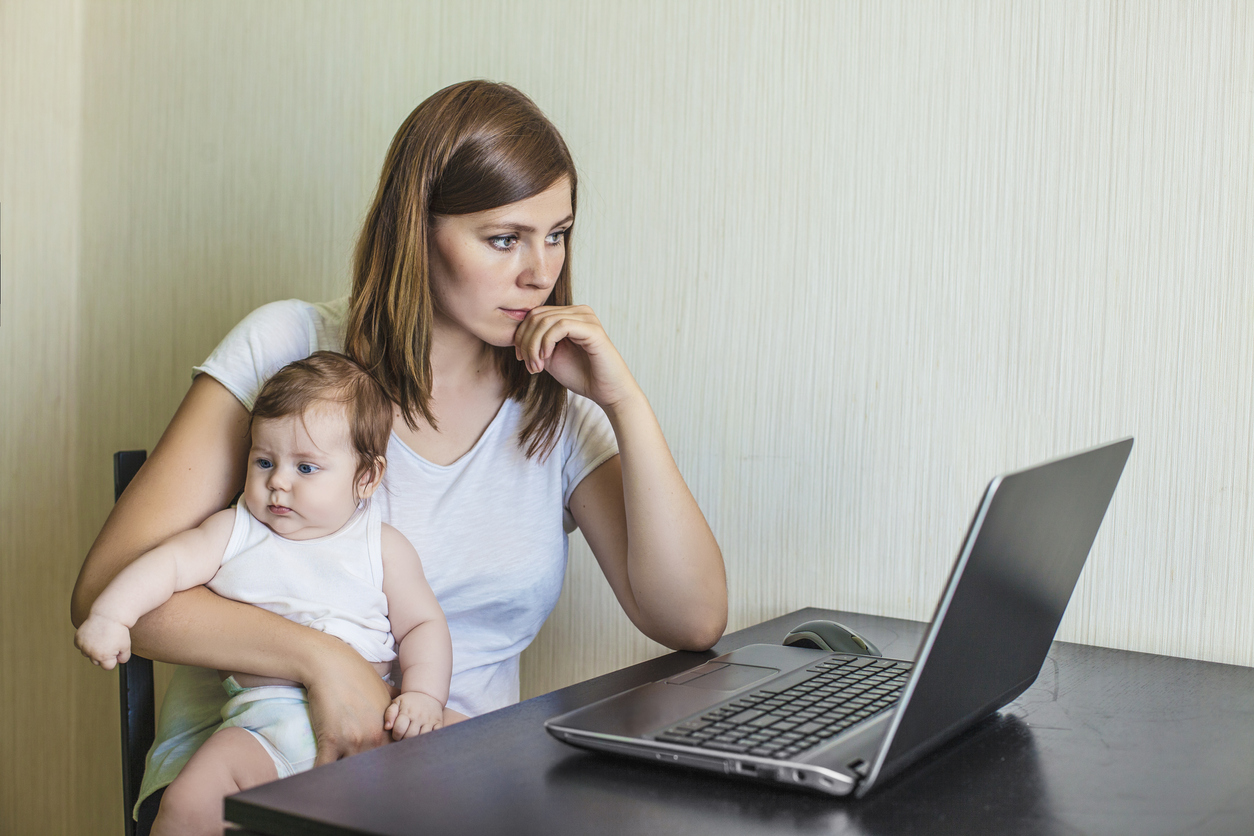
(230, 760)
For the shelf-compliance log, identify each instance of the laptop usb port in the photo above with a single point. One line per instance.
(746, 768)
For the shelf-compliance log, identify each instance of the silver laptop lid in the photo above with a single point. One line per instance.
(1005, 598)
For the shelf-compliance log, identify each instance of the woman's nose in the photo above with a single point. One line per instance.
(542, 268)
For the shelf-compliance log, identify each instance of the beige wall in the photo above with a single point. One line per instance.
(862, 256)
(57, 751)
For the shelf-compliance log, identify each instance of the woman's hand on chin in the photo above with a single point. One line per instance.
(570, 344)
(347, 699)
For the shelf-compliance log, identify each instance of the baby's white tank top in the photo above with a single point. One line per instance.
(332, 583)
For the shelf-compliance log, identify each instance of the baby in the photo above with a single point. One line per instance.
(305, 542)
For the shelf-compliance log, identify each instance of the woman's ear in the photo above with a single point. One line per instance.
(369, 481)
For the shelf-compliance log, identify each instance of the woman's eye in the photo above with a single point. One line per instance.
(557, 237)
(306, 468)
(505, 243)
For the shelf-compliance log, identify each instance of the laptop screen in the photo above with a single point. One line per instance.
(1007, 594)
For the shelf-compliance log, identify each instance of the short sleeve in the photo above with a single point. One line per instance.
(587, 442)
(264, 341)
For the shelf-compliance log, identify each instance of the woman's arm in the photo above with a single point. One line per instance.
(636, 512)
(194, 471)
(655, 548)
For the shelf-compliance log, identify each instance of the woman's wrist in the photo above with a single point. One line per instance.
(628, 409)
(323, 656)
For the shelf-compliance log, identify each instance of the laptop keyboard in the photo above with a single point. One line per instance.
(782, 724)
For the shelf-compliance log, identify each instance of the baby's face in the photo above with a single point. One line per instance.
(301, 471)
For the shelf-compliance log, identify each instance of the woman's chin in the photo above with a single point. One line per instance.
(500, 337)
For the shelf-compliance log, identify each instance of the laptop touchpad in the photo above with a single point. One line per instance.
(723, 676)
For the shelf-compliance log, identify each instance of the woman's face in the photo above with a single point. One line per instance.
(488, 269)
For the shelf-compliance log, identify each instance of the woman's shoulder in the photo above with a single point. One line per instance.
(315, 322)
(587, 440)
(583, 417)
(269, 338)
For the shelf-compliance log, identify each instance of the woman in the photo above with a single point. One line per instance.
(461, 308)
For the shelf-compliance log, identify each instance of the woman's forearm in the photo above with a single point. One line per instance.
(674, 564)
(197, 627)
(647, 533)
(346, 696)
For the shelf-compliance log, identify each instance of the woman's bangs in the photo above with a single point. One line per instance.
(488, 172)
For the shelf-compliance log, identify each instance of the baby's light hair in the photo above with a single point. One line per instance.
(326, 377)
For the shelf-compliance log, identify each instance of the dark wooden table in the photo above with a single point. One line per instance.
(1106, 741)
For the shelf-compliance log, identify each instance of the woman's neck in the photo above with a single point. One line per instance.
(467, 391)
(462, 364)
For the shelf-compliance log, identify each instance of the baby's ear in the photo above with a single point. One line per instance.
(369, 481)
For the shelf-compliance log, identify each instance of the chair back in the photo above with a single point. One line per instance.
(135, 687)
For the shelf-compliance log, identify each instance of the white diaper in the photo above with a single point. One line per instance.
(278, 717)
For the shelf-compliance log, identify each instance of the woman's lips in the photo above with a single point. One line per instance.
(517, 313)
(280, 510)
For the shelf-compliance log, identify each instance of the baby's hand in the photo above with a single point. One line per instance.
(104, 641)
(413, 713)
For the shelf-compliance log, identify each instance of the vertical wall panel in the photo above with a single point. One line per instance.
(55, 739)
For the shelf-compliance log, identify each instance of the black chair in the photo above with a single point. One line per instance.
(135, 692)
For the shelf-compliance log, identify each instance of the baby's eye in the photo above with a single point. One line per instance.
(504, 243)
(306, 468)
(264, 464)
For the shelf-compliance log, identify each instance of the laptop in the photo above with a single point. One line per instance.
(842, 724)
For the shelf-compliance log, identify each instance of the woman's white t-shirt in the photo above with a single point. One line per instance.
(491, 528)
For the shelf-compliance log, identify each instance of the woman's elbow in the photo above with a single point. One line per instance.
(84, 594)
(703, 630)
(80, 604)
(714, 630)
(701, 642)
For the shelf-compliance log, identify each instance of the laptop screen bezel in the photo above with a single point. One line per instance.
(955, 575)
(1112, 459)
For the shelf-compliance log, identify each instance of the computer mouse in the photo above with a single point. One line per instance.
(830, 635)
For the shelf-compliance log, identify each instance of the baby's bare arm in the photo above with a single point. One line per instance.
(425, 649)
(188, 559)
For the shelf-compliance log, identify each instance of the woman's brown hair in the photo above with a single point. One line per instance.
(470, 147)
